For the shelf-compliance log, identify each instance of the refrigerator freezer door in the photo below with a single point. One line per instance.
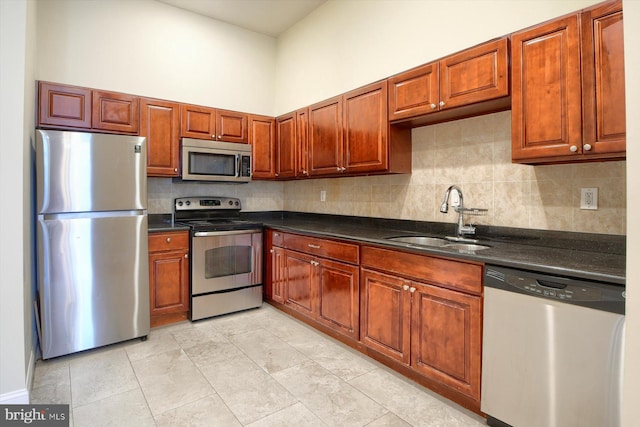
(94, 280)
(83, 172)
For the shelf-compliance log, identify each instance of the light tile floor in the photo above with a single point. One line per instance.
(257, 368)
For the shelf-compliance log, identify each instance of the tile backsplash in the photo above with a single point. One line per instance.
(473, 153)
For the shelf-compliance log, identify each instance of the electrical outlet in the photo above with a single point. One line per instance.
(589, 198)
(323, 196)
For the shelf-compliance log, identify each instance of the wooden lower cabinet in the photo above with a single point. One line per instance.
(299, 292)
(337, 287)
(169, 277)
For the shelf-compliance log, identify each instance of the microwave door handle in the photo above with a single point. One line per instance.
(237, 165)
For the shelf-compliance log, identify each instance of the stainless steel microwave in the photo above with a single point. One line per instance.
(204, 160)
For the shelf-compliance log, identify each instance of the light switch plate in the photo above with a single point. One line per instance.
(589, 198)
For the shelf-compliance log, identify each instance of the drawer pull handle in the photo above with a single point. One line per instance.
(315, 263)
(168, 239)
(314, 246)
(412, 289)
(405, 287)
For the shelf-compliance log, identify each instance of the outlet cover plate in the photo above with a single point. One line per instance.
(589, 198)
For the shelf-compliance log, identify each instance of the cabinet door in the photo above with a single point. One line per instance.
(414, 92)
(116, 112)
(366, 129)
(262, 137)
(546, 100)
(446, 337)
(325, 137)
(385, 307)
(63, 106)
(231, 126)
(169, 282)
(302, 142)
(160, 124)
(338, 297)
(278, 274)
(197, 122)
(477, 74)
(603, 96)
(299, 291)
(286, 147)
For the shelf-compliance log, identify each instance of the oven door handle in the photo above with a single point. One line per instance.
(237, 165)
(225, 233)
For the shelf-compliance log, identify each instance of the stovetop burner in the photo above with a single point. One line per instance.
(211, 214)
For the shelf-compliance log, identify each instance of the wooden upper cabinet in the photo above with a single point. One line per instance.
(414, 92)
(160, 124)
(197, 122)
(286, 151)
(366, 129)
(603, 89)
(477, 74)
(325, 137)
(568, 88)
(262, 137)
(232, 126)
(213, 124)
(115, 112)
(63, 106)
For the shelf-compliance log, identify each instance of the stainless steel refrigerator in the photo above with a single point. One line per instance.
(93, 280)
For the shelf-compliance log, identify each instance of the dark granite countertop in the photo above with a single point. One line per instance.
(163, 222)
(582, 255)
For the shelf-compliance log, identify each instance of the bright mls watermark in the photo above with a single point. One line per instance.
(34, 415)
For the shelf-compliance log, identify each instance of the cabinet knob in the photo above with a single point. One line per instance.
(304, 172)
(213, 136)
(586, 147)
(405, 287)
(186, 255)
(175, 169)
(219, 137)
(441, 103)
(433, 106)
(270, 250)
(168, 239)
(277, 175)
(412, 289)
(343, 169)
(573, 148)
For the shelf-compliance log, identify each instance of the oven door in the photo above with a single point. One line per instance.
(223, 260)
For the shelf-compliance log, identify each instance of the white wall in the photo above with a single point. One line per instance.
(346, 44)
(17, 37)
(632, 353)
(152, 49)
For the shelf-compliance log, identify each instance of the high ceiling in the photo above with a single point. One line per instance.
(270, 17)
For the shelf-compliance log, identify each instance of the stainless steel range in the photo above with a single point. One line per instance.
(226, 256)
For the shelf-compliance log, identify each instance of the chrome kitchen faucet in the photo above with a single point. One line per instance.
(462, 230)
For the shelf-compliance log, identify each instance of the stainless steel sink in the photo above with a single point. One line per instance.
(420, 240)
(466, 247)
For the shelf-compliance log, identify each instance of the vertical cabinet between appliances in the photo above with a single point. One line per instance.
(262, 137)
(79, 108)
(568, 88)
(169, 277)
(475, 75)
(425, 312)
(160, 124)
(214, 124)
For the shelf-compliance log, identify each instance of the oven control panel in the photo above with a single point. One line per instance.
(206, 203)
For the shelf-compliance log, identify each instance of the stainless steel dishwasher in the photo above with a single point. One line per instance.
(552, 350)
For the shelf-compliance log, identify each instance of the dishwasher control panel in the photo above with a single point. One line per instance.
(553, 289)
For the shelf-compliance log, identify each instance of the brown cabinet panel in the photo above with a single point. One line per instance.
(325, 137)
(366, 129)
(169, 277)
(286, 146)
(262, 137)
(302, 137)
(197, 122)
(477, 74)
(160, 124)
(338, 297)
(446, 337)
(414, 92)
(231, 126)
(63, 106)
(462, 275)
(385, 320)
(117, 112)
(603, 88)
(299, 290)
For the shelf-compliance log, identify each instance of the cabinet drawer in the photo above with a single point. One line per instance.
(168, 241)
(452, 274)
(278, 238)
(342, 251)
